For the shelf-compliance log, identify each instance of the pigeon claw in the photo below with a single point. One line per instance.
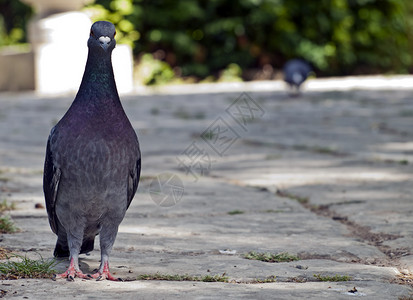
(105, 274)
(70, 273)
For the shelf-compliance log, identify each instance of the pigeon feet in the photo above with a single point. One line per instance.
(105, 274)
(71, 273)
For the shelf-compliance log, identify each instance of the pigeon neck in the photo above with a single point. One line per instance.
(98, 79)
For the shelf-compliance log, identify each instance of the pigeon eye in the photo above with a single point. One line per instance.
(92, 33)
(114, 34)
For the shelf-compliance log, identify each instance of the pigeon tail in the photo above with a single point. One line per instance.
(61, 250)
(87, 245)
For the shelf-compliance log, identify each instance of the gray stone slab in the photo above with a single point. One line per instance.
(326, 176)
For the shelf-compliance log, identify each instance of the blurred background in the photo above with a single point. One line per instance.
(187, 41)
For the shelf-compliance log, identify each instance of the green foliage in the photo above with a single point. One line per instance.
(14, 16)
(25, 267)
(202, 38)
(121, 13)
(153, 71)
(233, 72)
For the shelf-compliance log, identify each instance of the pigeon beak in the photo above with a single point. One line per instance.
(104, 42)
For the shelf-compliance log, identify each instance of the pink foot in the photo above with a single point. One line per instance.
(105, 274)
(71, 273)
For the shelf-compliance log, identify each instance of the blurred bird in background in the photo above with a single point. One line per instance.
(296, 72)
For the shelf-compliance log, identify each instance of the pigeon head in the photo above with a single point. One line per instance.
(102, 37)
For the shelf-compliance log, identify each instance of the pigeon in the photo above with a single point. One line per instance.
(295, 73)
(93, 163)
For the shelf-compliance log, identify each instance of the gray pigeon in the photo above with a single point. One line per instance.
(295, 73)
(93, 162)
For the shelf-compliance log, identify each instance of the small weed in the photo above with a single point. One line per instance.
(269, 211)
(155, 111)
(214, 278)
(185, 277)
(406, 113)
(6, 206)
(26, 268)
(334, 278)
(236, 212)
(3, 253)
(208, 135)
(284, 194)
(268, 279)
(325, 150)
(183, 114)
(298, 279)
(199, 115)
(271, 257)
(403, 162)
(7, 225)
(273, 156)
(147, 177)
(318, 149)
(4, 179)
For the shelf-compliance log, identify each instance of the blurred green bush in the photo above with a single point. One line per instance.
(338, 37)
(152, 71)
(14, 16)
(203, 37)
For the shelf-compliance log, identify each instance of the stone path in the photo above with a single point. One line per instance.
(326, 176)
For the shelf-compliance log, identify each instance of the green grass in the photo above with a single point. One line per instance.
(6, 206)
(3, 253)
(209, 135)
(7, 225)
(268, 279)
(147, 177)
(325, 150)
(236, 212)
(184, 115)
(4, 179)
(17, 266)
(403, 162)
(284, 194)
(406, 113)
(184, 277)
(271, 257)
(199, 115)
(273, 156)
(318, 149)
(272, 211)
(155, 111)
(334, 278)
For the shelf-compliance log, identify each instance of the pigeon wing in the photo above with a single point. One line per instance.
(51, 179)
(133, 181)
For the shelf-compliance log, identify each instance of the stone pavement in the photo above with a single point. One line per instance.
(326, 176)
